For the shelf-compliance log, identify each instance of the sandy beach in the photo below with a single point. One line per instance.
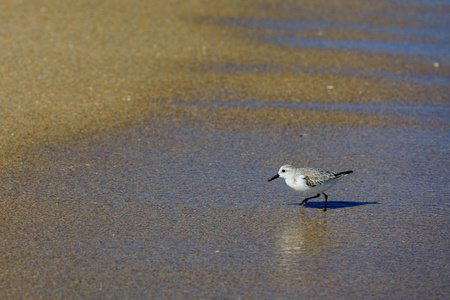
(137, 139)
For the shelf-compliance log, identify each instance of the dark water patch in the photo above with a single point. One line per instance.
(421, 3)
(420, 112)
(429, 7)
(428, 79)
(436, 34)
(420, 39)
(436, 51)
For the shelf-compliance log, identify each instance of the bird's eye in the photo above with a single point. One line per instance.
(282, 171)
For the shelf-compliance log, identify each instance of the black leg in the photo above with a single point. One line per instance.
(306, 200)
(326, 199)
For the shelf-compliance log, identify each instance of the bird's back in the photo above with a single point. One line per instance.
(316, 177)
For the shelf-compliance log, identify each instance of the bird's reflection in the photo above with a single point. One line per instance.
(306, 237)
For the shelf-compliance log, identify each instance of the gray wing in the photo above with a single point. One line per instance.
(315, 177)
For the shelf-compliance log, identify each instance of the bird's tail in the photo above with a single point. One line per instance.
(340, 174)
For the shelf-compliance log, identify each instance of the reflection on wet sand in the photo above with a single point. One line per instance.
(308, 236)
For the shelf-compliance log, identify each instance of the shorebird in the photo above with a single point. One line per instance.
(309, 180)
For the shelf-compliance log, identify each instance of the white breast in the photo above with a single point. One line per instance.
(298, 183)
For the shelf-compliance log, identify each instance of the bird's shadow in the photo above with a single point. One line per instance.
(333, 204)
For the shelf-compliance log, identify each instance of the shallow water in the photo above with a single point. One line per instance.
(433, 51)
(433, 42)
(417, 112)
(414, 29)
(187, 210)
(430, 79)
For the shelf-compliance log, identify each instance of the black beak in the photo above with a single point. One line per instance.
(274, 177)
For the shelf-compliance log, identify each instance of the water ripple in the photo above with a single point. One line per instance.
(421, 112)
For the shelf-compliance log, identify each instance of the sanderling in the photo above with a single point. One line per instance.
(308, 180)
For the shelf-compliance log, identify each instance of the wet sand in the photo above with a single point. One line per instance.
(137, 140)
